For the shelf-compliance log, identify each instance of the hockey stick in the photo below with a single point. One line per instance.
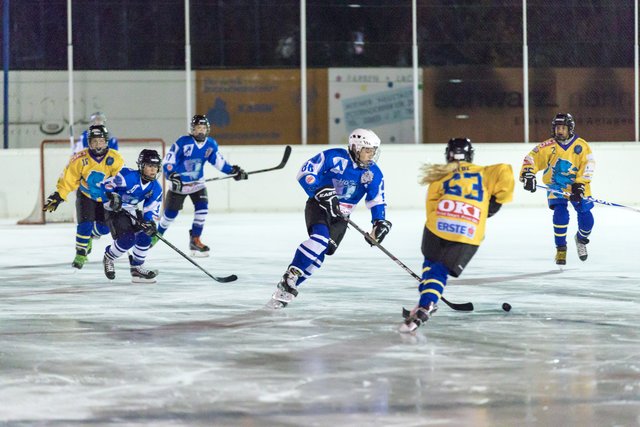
(283, 162)
(224, 279)
(466, 306)
(590, 199)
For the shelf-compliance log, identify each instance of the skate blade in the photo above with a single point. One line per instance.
(140, 280)
(198, 254)
(275, 304)
(407, 329)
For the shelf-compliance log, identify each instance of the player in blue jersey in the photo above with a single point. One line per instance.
(335, 181)
(183, 164)
(568, 165)
(96, 119)
(124, 192)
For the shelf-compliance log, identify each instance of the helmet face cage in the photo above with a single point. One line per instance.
(459, 149)
(563, 119)
(363, 138)
(199, 119)
(149, 158)
(98, 131)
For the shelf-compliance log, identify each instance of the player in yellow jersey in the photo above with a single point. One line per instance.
(568, 165)
(460, 198)
(84, 172)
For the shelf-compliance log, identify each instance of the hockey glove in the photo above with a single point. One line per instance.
(176, 181)
(529, 180)
(52, 202)
(577, 192)
(115, 202)
(494, 207)
(381, 228)
(238, 173)
(148, 228)
(328, 200)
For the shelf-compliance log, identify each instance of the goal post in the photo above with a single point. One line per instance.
(55, 155)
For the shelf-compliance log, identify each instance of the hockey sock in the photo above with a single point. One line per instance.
(434, 279)
(167, 218)
(83, 235)
(99, 229)
(585, 224)
(141, 248)
(121, 245)
(560, 224)
(199, 217)
(310, 254)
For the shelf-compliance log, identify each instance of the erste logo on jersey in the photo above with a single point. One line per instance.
(456, 227)
(458, 209)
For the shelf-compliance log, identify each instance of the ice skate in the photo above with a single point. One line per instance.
(78, 261)
(561, 255)
(109, 268)
(198, 249)
(139, 274)
(581, 246)
(286, 290)
(416, 317)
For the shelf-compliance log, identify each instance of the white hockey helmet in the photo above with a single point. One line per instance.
(97, 118)
(363, 138)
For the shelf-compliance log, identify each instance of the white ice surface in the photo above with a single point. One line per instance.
(77, 349)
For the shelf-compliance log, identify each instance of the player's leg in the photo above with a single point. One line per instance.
(100, 227)
(560, 226)
(200, 201)
(86, 214)
(124, 236)
(308, 257)
(172, 206)
(585, 226)
(139, 274)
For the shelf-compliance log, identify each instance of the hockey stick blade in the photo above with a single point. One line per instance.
(283, 162)
(226, 279)
(464, 306)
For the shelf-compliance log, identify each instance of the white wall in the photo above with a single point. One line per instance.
(615, 180)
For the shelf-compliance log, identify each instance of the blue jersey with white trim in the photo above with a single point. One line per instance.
(187, 157)
(128, 184)
(334, 168)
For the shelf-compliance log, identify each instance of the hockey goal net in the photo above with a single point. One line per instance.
(55, 155)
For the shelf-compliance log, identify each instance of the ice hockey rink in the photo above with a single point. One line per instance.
(77, 349)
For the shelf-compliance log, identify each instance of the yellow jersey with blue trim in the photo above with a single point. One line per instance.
(563, 164)
(85, 173)
(458, 203)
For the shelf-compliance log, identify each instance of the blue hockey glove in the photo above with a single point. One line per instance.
(328, 200)
(52, 202)
(577, 192)
(238, 173)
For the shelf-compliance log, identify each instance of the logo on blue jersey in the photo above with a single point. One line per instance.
(187, 150)
(366, 177)
(564, 174)
(577, 149)
(109, 161)
(340, 165)
(456, 227)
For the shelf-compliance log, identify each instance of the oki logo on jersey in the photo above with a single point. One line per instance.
(458, 209)
(456, 227)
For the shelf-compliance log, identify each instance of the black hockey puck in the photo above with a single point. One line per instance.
(506, 306)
